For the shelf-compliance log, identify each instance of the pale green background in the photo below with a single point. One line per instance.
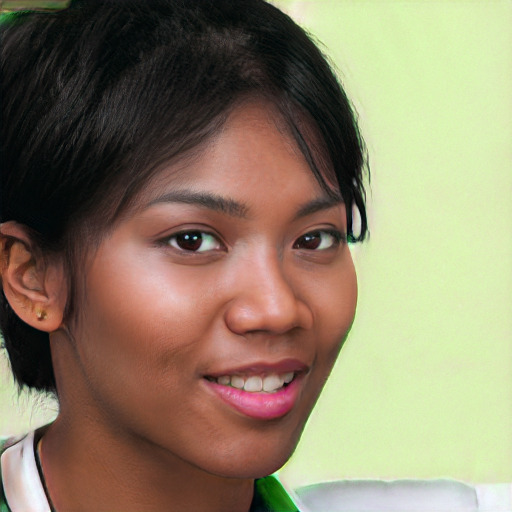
(423, 387)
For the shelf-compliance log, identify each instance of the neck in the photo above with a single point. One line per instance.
(88, 469)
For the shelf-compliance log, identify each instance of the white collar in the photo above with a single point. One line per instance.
(23, 488)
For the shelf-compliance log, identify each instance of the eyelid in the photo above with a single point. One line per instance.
(340, 235)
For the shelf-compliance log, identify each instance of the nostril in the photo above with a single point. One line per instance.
(248, 315)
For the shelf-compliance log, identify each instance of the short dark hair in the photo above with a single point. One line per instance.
(96, 97)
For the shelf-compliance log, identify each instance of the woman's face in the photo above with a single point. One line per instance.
(215, 311)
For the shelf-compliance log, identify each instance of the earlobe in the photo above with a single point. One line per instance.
(34, 287)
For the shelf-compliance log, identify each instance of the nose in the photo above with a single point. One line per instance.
(265, 300)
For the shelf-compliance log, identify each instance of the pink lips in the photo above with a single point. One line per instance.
(261, 405)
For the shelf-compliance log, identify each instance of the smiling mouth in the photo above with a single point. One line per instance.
(262, 383)
(262, 391)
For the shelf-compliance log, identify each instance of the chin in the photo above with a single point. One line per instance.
(252, 469)
(257, 459)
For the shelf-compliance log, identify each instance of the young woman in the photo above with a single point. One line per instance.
(178, 183)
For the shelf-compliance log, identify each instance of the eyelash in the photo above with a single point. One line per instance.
(196, 239)
(337, 239)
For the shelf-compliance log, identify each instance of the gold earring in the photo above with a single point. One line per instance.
(41, 314)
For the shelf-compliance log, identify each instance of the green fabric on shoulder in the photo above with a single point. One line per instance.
(274, 496)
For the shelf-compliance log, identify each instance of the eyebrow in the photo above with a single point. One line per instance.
(317, 205)
(234, 208)
(206, 200)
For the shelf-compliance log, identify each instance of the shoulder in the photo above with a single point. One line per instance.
(5, 442)
(440, 494)
(21, 487)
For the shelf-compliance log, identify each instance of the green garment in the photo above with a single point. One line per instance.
(270, 496)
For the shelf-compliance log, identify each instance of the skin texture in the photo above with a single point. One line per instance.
(139, 427)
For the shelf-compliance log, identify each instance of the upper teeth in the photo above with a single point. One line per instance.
(257, 383)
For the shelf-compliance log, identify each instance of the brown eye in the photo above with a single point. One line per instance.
(194, 241)
(318, 240)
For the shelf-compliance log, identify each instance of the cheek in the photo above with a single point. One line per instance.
(336, 306)
(142, 323)
(149, 295)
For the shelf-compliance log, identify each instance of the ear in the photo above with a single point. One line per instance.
(35, 286)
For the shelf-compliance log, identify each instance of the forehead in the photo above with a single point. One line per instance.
(254, 147)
